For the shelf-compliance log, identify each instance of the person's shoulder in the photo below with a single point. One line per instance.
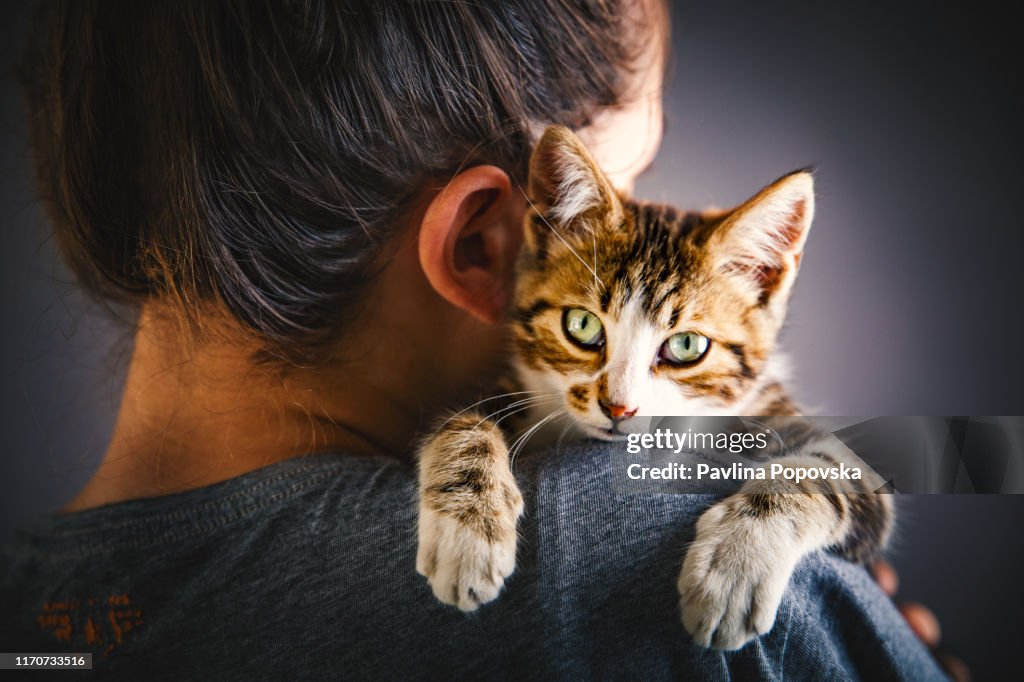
(598, 474)
(280, 495)
(834, 610)
(833, 620)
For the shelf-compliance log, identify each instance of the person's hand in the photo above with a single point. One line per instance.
(921, 620)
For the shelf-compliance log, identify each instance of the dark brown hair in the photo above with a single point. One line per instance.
(256, 154)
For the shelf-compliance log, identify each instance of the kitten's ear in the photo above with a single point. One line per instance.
(566, 184)
(761, 242)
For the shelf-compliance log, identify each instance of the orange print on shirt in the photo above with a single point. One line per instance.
(94, 622)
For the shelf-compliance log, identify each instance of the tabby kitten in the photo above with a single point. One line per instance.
(626, 309)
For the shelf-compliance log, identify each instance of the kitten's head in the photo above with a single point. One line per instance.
(626, 308)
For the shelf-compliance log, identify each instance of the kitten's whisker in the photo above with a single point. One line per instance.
(520, 442)
(565, 430)
(481, 402)
(526, 404)
(523, 401)
(513, 413)
(529, 434)
(517, 403)
(512, 448)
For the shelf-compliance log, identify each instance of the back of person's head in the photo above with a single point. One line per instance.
(255, 156)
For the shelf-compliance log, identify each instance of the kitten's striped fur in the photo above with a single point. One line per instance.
(647, 272)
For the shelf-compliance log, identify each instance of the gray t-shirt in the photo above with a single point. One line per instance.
(306, 570)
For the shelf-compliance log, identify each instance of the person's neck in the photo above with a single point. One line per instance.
(192, 417)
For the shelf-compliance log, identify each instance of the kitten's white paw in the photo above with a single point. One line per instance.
(734, 575)
(464, 567)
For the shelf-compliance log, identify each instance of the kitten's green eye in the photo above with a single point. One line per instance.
(583, 327)
(684, 349)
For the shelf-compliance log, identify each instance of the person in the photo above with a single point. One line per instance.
(315, 209)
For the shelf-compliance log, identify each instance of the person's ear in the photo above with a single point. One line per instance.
(469, 240)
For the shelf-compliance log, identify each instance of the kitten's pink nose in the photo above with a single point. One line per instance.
(617, 411)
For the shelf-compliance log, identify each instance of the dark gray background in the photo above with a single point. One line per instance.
(908, 299)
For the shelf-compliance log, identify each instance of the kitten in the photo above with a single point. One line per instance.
(624, 309)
